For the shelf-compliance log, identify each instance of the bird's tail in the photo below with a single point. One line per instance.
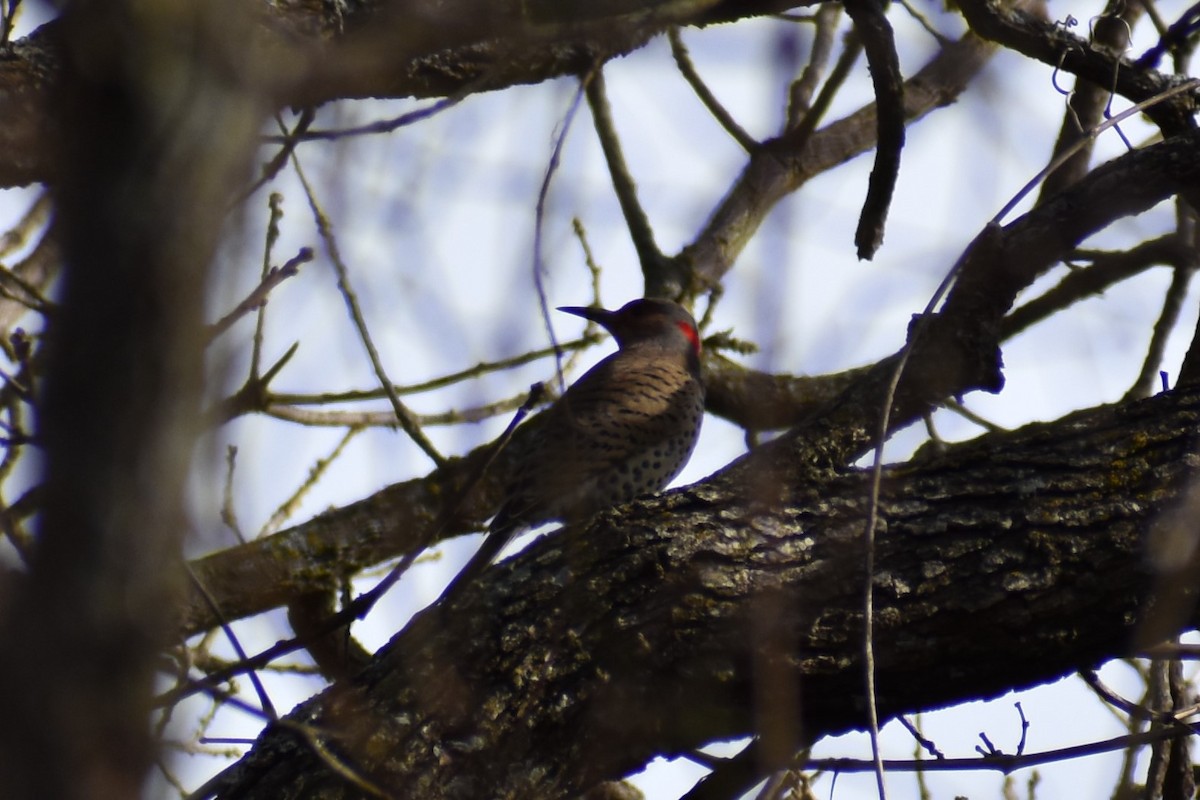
(502, 531)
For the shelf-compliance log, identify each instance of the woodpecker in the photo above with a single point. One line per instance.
(624, 429)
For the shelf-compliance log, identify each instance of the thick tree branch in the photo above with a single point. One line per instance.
(1054, 45)
(305, 54)
(646, 632)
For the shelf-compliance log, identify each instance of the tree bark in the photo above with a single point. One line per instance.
(729, 608)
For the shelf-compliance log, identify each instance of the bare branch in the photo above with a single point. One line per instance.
(258, 297)
(875, 33)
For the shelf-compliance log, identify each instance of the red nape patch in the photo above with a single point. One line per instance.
(692, 335)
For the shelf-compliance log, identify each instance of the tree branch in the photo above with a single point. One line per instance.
(782, 165)
(645, 632)
(305, 54)
(1055, 46)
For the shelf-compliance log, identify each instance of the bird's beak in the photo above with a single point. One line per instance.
(598, 315)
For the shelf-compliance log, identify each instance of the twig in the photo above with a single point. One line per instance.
(1002, 762)
(386, 419)
(380, 126)
(539, 266)
(253, 394)
(686, 68)
(336, 764)
(958, 408)
(1106, 270)
(228, 515)
(482, 368)
(312, 739)
(268, 708)
(288, 506)
(1176, 36)
(1172, 305)
(1024, 728)
(924, 22)
(1092, 133)
(1133, 709)
(927, 745)
(796, 139)
(1173, 650)
(275, 214)
(258, 297)
(406, 418)
(801, 91)
(589, 259)
(273, 167)
(650, 257)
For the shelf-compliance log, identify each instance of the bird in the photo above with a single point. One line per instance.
(624, 429)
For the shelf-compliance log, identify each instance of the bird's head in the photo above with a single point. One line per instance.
(654, 321)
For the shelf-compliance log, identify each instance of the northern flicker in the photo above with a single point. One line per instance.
(624, 429)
